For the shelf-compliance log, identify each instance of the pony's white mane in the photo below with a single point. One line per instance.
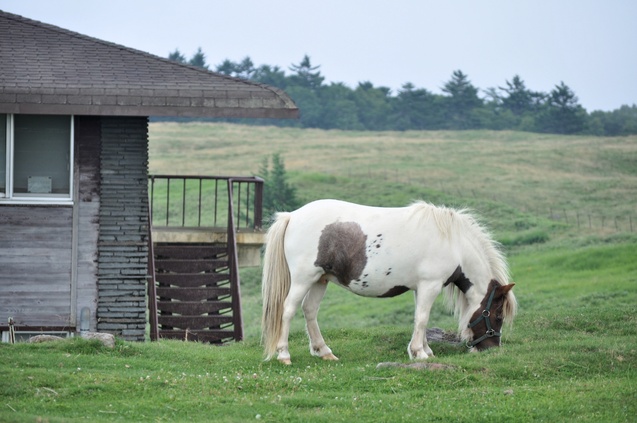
(452, 222)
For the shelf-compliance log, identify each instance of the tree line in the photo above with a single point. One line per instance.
(461, 105)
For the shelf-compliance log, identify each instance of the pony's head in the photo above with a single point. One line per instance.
(497, 307)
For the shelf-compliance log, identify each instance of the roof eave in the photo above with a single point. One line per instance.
(194, 112)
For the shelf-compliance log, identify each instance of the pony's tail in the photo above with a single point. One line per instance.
(275, 284)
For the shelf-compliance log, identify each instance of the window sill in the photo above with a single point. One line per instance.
(36, 201)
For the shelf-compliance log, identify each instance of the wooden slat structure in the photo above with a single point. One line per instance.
(194, 288)
(194, 293)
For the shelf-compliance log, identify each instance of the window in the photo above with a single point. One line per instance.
(36, 158)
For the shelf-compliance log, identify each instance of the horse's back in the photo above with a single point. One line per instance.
(352, 241)
(329, 210)
(309, 221)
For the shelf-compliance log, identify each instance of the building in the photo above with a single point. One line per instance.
(74, 166)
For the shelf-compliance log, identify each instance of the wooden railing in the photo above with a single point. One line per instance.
(233, 263)
(152, 287)
(203, 201)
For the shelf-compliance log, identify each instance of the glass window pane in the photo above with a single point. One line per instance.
(41, 160)
(3, 154)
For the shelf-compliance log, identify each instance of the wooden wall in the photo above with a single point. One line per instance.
(35, 265)
(48, 254)
(56, 260)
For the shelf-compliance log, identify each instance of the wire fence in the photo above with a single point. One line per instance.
(594, 221)
(622, 221)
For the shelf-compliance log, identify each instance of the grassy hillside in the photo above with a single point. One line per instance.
(538, 174)
(529, 188)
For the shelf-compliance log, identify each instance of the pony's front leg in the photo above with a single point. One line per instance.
(418, 348)
(311, 303)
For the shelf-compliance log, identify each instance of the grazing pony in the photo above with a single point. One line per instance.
(383, 252)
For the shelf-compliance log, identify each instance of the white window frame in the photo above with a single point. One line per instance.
(25, 198)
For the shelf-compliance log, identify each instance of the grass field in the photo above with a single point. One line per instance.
(571, 355)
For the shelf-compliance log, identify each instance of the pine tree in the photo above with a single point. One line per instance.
(278, 194)
(176, 56)
(563, 114)
(306, 75)
(199, 59)
(462, 100)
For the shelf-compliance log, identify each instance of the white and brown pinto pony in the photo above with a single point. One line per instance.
(383, 252)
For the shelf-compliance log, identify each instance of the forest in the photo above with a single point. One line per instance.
(461, 105)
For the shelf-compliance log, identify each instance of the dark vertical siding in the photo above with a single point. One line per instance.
(123, 233)
(87, 142)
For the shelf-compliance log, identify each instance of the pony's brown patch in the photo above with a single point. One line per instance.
(341, 251)
(395, 291)
(460, 280)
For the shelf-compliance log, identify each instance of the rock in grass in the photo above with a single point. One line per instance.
(433, 335)
(105, 338)
(439, 335)
(44, 338)
(418, 365)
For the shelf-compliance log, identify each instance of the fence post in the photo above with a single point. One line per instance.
(183, 203)
(233, 264)
(258, 204)
(577, 217)
(167, 199)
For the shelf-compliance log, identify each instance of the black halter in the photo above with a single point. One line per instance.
(485, 315)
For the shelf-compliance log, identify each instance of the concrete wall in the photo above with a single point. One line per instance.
(249, 243)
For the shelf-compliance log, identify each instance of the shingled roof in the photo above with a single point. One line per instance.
(45, 69)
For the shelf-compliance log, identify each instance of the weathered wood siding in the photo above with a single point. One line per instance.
(87, 203)
(35, 265)
(48, 254)
(123, 235)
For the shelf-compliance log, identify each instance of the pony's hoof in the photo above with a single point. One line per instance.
(419, 356)
(285, 361)
(330, 357)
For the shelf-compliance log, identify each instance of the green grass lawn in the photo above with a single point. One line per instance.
(570, 356)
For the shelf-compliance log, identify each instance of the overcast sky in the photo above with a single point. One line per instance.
(589, 45)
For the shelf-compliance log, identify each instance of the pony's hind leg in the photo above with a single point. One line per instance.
(311, 304)
(291, 304)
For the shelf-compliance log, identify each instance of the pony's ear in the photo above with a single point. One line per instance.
(504, 289)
